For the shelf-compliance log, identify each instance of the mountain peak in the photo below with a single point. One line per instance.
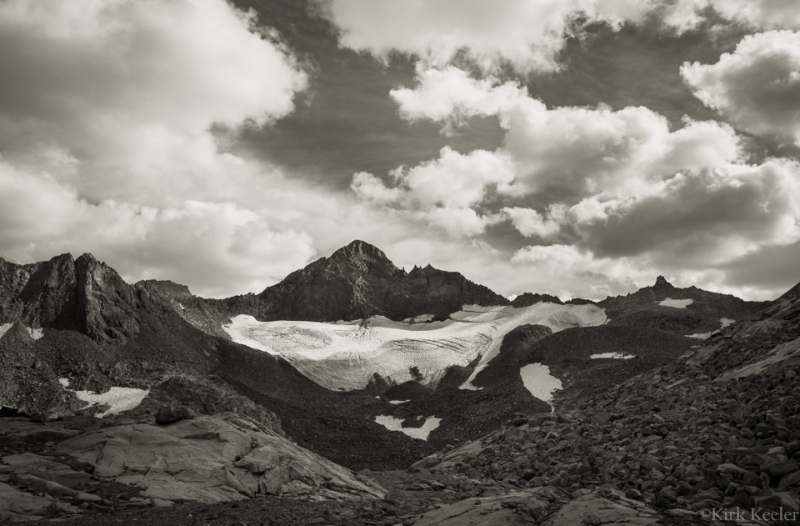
(65, 257)
(661, 281)
(358, 250)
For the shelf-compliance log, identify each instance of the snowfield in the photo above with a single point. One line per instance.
(420, 433)
(345, 355)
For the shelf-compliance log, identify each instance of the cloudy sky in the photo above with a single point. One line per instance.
(574, 147)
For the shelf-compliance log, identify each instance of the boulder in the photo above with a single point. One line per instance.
(780, 468)
(168, 415)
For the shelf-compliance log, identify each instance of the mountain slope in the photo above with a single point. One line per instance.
(716, 429)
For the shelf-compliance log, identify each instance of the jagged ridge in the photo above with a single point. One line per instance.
(69, 294)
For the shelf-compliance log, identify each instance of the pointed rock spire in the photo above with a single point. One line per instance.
(662, 282)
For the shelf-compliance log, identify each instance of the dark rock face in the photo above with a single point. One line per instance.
(350, 284)
(39, 294)
(409, 390)
(106, 304)
(63, 293)
(527, 299)
(27, 382)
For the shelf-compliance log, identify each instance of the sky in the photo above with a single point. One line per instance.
(572, 147)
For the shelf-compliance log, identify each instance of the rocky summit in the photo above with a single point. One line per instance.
(126, 403)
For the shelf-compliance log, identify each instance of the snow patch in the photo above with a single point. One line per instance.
(119, 399)
(422, 318)
(612, 356)
(420, 433)
(512, 297)
(677, 304)
(398, 402)
(539, 382)
(36, 334)
(724, 322)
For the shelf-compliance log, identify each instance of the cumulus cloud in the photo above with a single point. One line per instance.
(106, 121)
(755, 13)
(130, 89)
(443, 192)
(567, 152)
(528, 34)
(531, 223)
(578, 151)
(699, 220)
(757, 86)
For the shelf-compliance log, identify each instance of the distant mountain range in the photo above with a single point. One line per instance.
(356, 282)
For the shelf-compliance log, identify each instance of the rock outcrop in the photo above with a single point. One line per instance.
(213, 459)
(527, 299)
